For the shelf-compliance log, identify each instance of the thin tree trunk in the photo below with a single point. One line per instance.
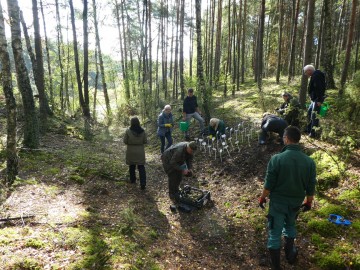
(181, 60)
(243, 44)
(307, 49)
(76, 57)
(96, 83)
(327, 45)
(291, 68)
(218, 45)
(260, 63)
(61, 53)
(50, 84)
(39, 78)
(86, 108)
(281, 14)
(205, 94)
(348, 48)
(320, 40)
(31, 129)
(6, 80)
(101, 62)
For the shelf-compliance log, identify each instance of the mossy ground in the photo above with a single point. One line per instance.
(88, 216)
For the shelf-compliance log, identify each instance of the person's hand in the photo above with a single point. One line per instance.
(185, 172)
(168, 125)
(262, 201)
(210, 137)
(189, 173)
(184, 118)
(318, 104)
(306, 206)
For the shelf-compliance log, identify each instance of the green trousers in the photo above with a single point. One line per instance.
(281, 220)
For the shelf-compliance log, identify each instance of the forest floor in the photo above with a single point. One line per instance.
(86, 214)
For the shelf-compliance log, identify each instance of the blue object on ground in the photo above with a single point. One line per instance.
(338, 220)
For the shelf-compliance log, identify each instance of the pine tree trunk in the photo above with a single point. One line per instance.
(243, 44)
(6, 80)
(61, 53)
(50, 84)
(102, 69)
(218, 45)
(31, 129)
(327, 45)
(348, 48)
(205, 93)
(40, 81)
(307, 49)
(291, 68)
(320, 40)
(281, 14)
(181, 60)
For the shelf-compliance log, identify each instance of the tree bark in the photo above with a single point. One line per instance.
(218, 45)
(61, 54)
(11, 153)
(291, 68)
(181, 60)
(348, 48)
(307, 49)
(101, 62)
(39, 67)
(281, 14)
(205, 94)
(31, 129)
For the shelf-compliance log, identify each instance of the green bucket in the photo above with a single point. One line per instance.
(324, 109)
(184, 126)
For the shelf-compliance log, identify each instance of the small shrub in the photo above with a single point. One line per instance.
(77, 179)
(328, 209)
(34, 243)
(27, 264)
(319, 242)
(330, 261)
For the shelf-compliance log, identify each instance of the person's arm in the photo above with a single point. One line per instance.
(265, 193)
(145, 138)
(126, 138)
(161, 121)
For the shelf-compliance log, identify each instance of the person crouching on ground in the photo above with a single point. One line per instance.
(271, 123)
(165, 124)
(290, 177)
(177, 161)
(135, 138)
(216, 126)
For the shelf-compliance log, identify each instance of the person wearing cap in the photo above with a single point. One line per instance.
(177, 161)
(165, 124)
(316, 91)
(289, 109)
(191, 110)
(271, 123)
(216, 126)
(290, 185)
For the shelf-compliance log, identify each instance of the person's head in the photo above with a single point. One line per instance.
(265, 114)
(190, 92)
(292, 135)
(134, 122)
(191, 147)
(309, 70)
(286, 96)
(167, 109)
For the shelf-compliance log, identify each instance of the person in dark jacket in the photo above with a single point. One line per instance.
(177, 161)
(216, 125)
(271, 123)
(165, 124)
(316, 91)
(290, 184)
(290, 109)
(191, 110)
(135, 138)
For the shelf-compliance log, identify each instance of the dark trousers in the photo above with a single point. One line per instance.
(313, 117)
(142, 174)
(175, 178)
(169, 141)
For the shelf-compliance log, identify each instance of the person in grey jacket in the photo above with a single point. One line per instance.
(165, 124)
(135, 138)
(177, 161)
(271, 123)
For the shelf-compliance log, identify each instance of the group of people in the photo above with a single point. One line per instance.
(290, 177)
(289, 111)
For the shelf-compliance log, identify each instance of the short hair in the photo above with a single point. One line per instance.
(167, 107)
(190, 90)
(286, 94)
(293, 134)
(309, 67)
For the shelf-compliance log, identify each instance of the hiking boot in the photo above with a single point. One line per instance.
(275, 259)
(291, 251)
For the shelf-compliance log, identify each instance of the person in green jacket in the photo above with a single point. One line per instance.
(135, 139)
(216, 125)
(177, 161)
(290, 178)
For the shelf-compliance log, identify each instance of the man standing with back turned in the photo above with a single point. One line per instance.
(290, 177)
(316, 91)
